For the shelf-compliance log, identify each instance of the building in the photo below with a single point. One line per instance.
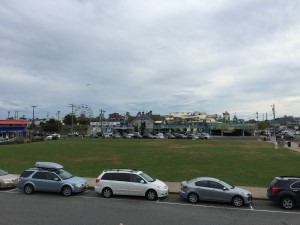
(13, 128)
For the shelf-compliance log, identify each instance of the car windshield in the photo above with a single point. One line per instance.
(147, 177)
(63, 174)
(3, 173)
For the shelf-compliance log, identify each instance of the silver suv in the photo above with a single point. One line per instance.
(129, 182)
(50, 177)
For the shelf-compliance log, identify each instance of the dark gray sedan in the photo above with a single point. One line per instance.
(212, 189)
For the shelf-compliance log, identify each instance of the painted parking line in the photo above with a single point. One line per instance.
(229, 208)
(15, 190)
(250, 209)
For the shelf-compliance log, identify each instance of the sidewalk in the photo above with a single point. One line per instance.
(174, 187)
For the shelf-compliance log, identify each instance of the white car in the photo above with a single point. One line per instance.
(130, 182)
(53, 136)
(7, 180)
(159, 136)
(205, 136)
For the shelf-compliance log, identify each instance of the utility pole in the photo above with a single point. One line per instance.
(33, 107)
(101, 120)
(58, 112)
(72, 105)
(257, 116)
(16, 115)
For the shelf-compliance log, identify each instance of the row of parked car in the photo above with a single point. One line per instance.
(51, 177)
(137, 135)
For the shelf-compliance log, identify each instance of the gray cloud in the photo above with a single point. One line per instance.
(225, 55)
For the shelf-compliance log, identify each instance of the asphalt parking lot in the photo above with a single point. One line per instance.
(90, 208)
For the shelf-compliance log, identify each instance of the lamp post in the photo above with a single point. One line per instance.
(33, 107)
(273, 110)
(101, 120)
(72, 106)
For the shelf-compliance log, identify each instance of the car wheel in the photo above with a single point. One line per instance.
(107, 193)
(28, 189)
(287, 202)
(151, 195)
(237, 201)
(66, 191)
(193, 198)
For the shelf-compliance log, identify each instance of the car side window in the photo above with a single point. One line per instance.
(26, 173)
(296, 185)
(40, 175)
(215, 185)
(135, 178)
(116, 176)
(202, 183)
(123, 177)
(51, 176)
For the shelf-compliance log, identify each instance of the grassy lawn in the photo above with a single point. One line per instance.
(250, 163)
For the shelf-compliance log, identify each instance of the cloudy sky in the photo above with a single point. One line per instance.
(165, 56)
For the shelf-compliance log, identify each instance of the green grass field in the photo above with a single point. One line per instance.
(249, 163)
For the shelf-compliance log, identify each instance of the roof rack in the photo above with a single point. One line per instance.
(121, 169)
(48, 165)
(288, 177)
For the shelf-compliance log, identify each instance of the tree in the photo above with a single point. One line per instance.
(262, 125)
(51, 125)
(68, 119)
(115, 117)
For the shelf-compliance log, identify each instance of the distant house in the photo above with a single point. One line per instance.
(144, 123)
(13, 128)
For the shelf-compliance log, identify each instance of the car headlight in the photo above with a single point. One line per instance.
(246, 193)
(79, 185)
(160, 187)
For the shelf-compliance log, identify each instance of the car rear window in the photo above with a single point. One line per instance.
(273, 182)
(26, 173)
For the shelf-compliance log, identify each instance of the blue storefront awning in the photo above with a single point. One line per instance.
(13, 129)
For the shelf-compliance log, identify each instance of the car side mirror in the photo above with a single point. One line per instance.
(142, 182)
(225, 189)
(56, 179)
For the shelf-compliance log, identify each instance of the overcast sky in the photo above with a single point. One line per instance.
(159, 55)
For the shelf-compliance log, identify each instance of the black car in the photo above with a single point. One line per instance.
(285, 190)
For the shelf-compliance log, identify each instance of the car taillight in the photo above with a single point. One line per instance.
(183, 187)
(274, 189)
(97, 180)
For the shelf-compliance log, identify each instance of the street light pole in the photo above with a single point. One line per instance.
(33, 107)
(72, 105)
(101, 120)
(273, 110)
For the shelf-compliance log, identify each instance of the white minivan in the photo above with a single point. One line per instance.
(130, 182)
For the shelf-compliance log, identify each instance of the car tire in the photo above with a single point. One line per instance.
(28, 189)
(287, 202)
(151, 195)
(237, 201)
(66, 191)
(107, 193)
(193, 198)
